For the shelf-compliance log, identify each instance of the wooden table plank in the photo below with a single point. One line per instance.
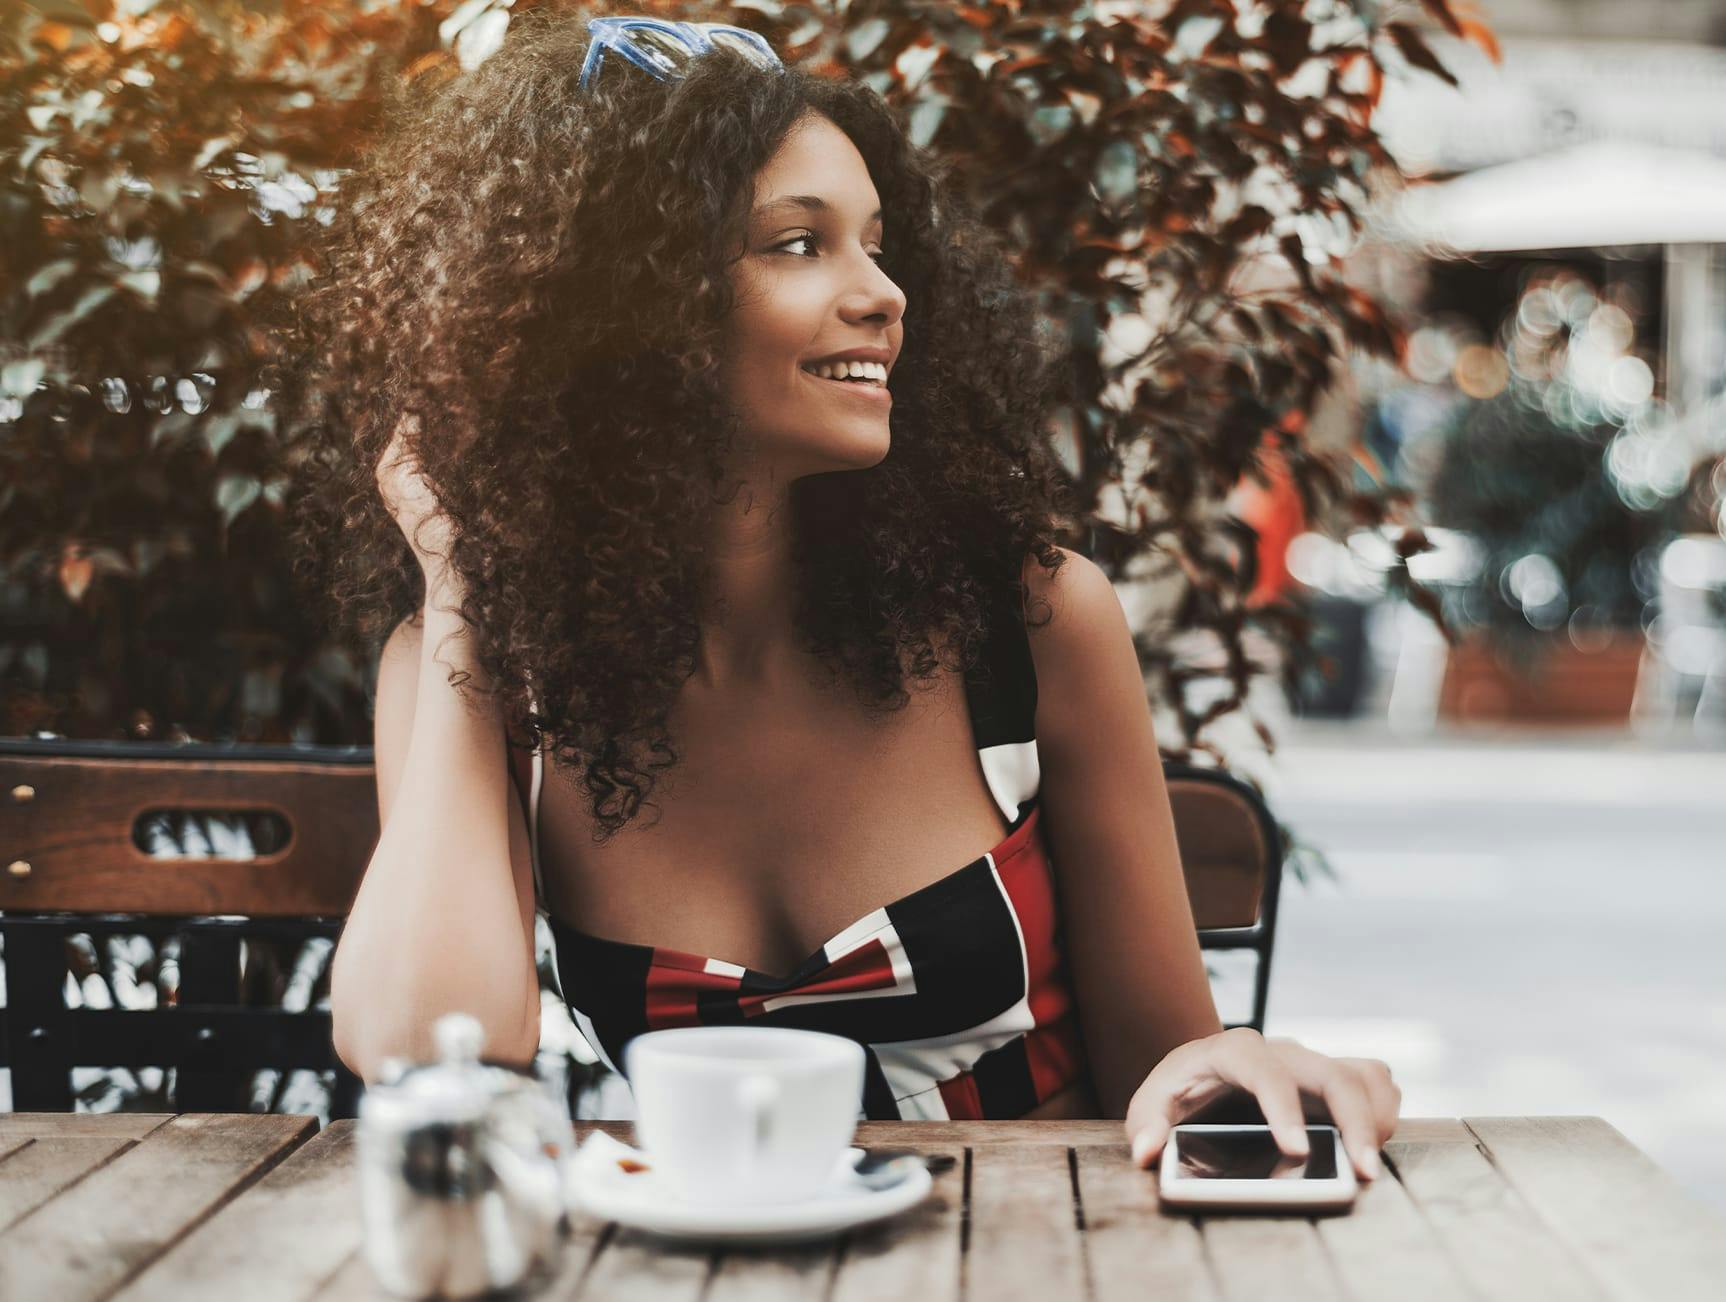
(35, 1170)
(915, 1254)
(632, 1265)
(1629, 1221)
(983, 1134)
(1495, 1240)
(1384, 1248)
(284, 1237)
(1269, 1255)
(1022, 1196)
(80, 1125)
(1135, 1251)
(353, 1281)
(114, 1222)
(800, 1272)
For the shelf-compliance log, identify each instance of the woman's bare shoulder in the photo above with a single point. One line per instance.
(1077, 586)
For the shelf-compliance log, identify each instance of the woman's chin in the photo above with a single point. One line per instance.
(859, 453)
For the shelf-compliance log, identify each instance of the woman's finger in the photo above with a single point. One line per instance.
(1345, 1098)
(1384, 1092)
(1255, 1067)
(1351, 1109)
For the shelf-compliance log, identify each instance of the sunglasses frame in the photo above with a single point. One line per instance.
(615, 34)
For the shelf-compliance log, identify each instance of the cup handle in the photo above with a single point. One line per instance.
(757, 1094)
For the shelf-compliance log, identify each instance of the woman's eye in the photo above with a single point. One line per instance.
(816, 240)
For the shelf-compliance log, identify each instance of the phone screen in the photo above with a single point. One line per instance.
(1253, 1155)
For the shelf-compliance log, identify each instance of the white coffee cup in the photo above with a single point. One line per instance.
(744, 1114)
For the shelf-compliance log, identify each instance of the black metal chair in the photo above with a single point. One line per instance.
(1232, 854)
(81, 830)
(76, 819)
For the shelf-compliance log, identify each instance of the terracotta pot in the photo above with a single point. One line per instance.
(1567, 685)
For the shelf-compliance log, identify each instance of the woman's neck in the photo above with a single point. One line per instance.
(747, 626)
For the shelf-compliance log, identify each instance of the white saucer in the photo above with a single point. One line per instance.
(602, 1188)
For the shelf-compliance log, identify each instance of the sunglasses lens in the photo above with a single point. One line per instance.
(668, 52)
(748, 49)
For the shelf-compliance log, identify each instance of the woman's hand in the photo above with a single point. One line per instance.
(409, 498)
(1292, 1084)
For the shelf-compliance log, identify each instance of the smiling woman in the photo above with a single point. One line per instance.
(818, 324)
(687, 432)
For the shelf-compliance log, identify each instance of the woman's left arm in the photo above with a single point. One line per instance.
(1157, 1050)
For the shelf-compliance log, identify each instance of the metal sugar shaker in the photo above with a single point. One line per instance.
(461, 1170)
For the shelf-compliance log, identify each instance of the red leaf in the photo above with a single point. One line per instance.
(1482, 35)
(1414, 49)
(1440, 10)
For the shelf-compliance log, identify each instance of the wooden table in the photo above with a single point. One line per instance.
(249, 1207)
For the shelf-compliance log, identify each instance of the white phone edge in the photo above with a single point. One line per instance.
(1337, 1192)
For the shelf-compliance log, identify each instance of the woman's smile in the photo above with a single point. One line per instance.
(863, 390)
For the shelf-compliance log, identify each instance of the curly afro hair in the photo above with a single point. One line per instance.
(539, 278)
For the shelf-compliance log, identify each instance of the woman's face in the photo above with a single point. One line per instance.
(809, 286)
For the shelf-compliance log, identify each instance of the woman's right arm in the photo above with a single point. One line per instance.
(444, 917)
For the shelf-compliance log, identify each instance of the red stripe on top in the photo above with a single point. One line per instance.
(1023, 865)
(868, 967)
(674, 981)
(1056, 1057)
(959, 1094)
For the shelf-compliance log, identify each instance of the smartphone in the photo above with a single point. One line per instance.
(1241, 1166)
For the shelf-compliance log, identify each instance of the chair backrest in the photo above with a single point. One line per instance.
(84, 827)
(1232, 854)
(213, 852)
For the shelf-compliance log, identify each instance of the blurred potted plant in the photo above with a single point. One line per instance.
(1533, 468)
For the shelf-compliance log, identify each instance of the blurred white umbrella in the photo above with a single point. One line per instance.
(1594, 195)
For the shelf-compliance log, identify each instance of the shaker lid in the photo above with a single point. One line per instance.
(457, 1088)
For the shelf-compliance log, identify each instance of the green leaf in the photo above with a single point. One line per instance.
(170, 426)
(864, 39)
(219, 430)
(1117, 173)
(234, 494)
(19, 379)
(926, 121)
(211, 149)
(451, 27)
(49, 276)
(1050, 122)
(60, 324)
(145, 284)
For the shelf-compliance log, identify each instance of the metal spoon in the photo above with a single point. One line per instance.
(882, 1168)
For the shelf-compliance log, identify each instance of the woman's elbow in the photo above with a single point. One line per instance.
(366, 1044)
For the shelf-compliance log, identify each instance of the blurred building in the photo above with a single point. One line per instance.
(1566, 228)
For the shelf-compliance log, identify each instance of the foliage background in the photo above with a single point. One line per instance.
(163, 166)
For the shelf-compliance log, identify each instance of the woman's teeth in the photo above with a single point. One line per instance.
(854, 372)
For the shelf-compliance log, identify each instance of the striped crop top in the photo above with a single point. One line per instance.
(958, 992)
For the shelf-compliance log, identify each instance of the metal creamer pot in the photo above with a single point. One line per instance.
(461, 1172)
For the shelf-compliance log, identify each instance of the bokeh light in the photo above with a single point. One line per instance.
(1481, 372)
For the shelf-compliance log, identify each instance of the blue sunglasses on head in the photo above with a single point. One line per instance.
(665, 49)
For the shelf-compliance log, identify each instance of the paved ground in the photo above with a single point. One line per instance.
(1522, 925)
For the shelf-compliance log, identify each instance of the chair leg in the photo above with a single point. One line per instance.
(39, 1030)
(209, 974)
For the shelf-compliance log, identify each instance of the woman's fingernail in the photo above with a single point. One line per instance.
(1141, 1147)
(1373, 1168)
